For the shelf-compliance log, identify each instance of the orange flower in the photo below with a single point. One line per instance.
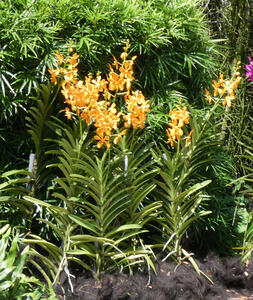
(115, 81)
(73, 60)
(216, 86)
(68, 114)
(225, 88)
(137, 108)
(91, 98)
(188, 138)
(123, 55)
(118, 137)
(127, 119)
(99, 83)
(59, 57)
(115, 62)
(102, 140)
(179, 118)
(228, 100)
(208, 96)
(221, 80)
(54, 74)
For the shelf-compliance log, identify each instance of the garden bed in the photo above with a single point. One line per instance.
(232, 280)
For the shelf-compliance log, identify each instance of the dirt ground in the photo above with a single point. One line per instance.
(232, 281)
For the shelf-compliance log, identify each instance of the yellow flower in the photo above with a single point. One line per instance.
(123, 55)
(179, 118)
(118, 137)
(208, 96)
(68, 114)
(102, 140)
(188, 138)
(59, 57)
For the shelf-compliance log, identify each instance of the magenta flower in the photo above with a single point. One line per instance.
(249, 68)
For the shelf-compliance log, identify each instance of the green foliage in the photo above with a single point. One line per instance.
(90, 223)
(182, 187)
(170, 37)
(93, 207)
(240, 129)
(247, 192)
(247, 246)
(14, 283)
(140, 169)
(12, 208)
(38, 123)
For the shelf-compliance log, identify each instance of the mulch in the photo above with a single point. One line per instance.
(232, 281)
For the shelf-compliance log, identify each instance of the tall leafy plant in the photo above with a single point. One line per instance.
(90, 223)
(181, 188)
(94, 192)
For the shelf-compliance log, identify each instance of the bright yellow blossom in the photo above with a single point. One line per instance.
(91, 98)
(225, 89)
(179, 118)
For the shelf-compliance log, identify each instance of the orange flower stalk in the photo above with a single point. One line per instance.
(94, 99)
(224, 89)
(179, 118)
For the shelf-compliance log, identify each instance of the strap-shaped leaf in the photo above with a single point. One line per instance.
(20, 262)
(77, 260)
(123, 228)
(90, 225)
(52, 249)
(12, 253)
(85, 238)
(187, 193)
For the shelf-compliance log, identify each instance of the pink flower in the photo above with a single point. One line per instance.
(249, 68)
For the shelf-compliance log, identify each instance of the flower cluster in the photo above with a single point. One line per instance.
(97, 100)
(249, 69)
(224, 89)
(179, 118)
(69, 71)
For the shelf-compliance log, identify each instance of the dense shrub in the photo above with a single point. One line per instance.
(169, 38)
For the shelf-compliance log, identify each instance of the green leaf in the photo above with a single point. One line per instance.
(88, 224)
(123, 228)
(85, 238)
(4, 229)
(5, 285)
(4, 273)
(12, 252)
(20, 262)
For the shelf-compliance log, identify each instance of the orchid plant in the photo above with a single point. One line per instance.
(98, 100)
(103, 196)
(100, 195)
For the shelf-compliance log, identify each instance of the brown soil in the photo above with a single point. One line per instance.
(232, 281)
